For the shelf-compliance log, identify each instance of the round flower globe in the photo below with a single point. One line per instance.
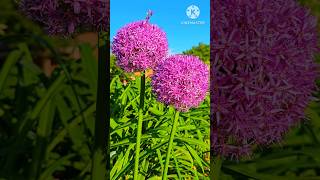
(68, 16)
(263, 72)
(181, 81)
(139, 45)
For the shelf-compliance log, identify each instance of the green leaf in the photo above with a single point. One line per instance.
(55, 166)
(195, 155)
(90, 67)
(11, 60)
(43, 135)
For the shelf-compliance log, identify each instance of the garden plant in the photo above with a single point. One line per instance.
(177, 83)
(264, 75)
(49, 100)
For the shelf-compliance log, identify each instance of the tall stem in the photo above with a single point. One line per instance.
(173, 131)
(101, 152)
(139, 128)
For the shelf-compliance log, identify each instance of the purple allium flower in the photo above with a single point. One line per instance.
(181, 81)
(140, 45)
(263, 73)
(64, 17)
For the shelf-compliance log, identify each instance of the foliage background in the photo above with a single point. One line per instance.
(47, 110)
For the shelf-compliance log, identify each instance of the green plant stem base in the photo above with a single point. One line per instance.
(139, 129)
(173, 131)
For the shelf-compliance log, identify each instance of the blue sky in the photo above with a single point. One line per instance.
(168, 15)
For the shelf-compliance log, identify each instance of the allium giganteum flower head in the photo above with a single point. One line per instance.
(140, 45)
(181, 81)
(263, 73)
(64, 17)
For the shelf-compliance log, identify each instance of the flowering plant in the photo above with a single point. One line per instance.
(263, 72)
(65, 17)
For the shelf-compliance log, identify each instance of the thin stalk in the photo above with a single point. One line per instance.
(139, 128)
(101, 152)
(173, 131)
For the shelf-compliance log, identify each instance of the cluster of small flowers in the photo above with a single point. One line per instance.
(178, 80)
(65, 17)
(181, 81)
(263, 71)
(139, 45)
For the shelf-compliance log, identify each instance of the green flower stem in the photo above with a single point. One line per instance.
(139, 129)
(173, 131)
(101, 152)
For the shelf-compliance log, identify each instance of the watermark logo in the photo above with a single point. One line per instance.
(193, 12)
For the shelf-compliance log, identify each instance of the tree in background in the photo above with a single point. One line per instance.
(202, 50)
